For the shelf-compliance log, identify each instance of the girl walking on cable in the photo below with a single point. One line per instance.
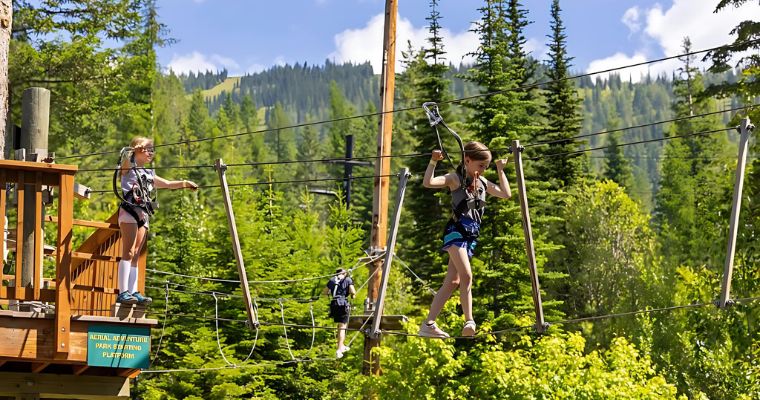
(468, 191)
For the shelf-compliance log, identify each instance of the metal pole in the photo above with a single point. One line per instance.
(403, 178)
(382, 170)
(253, 318)
(745, 128)
(35, 116)
(528, 231)
(348, 169)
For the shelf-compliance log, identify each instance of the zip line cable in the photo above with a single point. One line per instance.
(747, 301)
(413, 155)
(298, 181)
(454, 101)
(567, 153)
(295, 181)
(360, 263)
(647, 125)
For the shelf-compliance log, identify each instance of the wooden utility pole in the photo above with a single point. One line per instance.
(725, 293)
(378, 236)
(35, 122)
(253, 318)
(6, 19)
(528, 231)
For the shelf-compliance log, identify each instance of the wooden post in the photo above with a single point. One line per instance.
(382, 169)
(63, 260)
(745, 129)
(528, 231)
(6, 19)
(34, 136)
(253, 318)
(348, 169)
(403, 178)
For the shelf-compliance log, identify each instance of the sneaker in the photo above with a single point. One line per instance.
(142, 300)
(469, 328)
(339, 353)
(432, 331)
(126, 298)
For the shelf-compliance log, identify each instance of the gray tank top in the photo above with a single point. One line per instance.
(461, 194)
(129, 180)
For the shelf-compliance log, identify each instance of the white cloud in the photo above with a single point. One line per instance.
(631, 19)
(366, 44)
(617, 60)
(197, 61)
(667, 28)
(254, 68)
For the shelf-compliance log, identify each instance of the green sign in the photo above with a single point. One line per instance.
(118, 346)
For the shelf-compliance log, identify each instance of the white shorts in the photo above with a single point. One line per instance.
(126, 217)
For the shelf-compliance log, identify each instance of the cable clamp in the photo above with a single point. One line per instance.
(431, 110)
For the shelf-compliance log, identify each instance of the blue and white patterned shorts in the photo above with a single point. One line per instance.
(455, 234)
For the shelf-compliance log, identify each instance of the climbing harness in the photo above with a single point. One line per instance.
(142, 195)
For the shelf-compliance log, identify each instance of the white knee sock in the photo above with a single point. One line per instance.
(133, 271)
(124, 268)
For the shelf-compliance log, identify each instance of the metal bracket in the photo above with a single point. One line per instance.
(729, 303)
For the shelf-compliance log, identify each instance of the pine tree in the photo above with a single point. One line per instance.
(281, 141)
(496, 119)
(617, 167)
(426, 206)
(561, 112)
(693, 184)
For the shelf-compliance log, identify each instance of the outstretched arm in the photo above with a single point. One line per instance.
(162, 183)
(435, 182)
(502, 190)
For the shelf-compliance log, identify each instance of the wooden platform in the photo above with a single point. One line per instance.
(20, 385)
(388, 322)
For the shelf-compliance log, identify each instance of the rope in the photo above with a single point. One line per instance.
(285, 329)
(163, 324)
(216, 322)
(424, 283)
(313, 324)
(210, 279)
(360, 329)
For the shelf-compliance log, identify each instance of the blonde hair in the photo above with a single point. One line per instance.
(137, 143)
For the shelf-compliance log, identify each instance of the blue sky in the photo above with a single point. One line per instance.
(250, 35)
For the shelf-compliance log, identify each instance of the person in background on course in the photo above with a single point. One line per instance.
(339, 288)
(137, 185)
(468, 191)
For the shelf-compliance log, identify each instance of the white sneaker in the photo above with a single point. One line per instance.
(469, 328)
(339, 353)
(432, 331)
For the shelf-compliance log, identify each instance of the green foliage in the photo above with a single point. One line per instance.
(554, 366)
(100, 77)
(609, 252)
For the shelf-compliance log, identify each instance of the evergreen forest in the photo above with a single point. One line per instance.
(630, 186)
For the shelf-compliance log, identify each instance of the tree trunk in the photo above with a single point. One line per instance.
(6, 17)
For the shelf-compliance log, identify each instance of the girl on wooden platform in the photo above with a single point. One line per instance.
(138, 185)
